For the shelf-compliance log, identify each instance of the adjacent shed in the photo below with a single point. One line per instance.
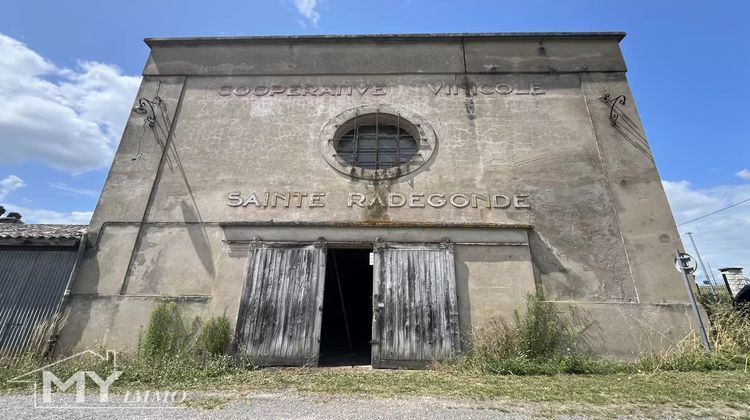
(37, 262)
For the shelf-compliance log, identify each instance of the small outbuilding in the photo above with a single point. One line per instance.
(37, 262)
(734, 280)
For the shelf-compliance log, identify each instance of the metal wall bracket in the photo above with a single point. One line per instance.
(614, 116)
(146, 107)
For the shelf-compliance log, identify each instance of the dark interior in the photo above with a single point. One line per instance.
(353, 287)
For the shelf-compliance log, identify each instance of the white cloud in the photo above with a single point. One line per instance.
(75, 191)
(307, 9)
(743, 174)
(724, 238)
(9, 184)
(70, 119)
(51, 216)
(31, 215)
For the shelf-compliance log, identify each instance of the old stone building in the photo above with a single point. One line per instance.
(378, 196)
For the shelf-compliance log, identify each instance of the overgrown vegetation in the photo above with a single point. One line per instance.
(175, 353)
(539, 341)
(170, 351)
(215, 336)
(37, 350)
(168, 336)
(730, 328)
(542, 341)
(729, 337)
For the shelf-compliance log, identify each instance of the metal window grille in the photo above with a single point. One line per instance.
(376, 145)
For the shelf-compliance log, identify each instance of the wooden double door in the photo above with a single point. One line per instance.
(414, 309)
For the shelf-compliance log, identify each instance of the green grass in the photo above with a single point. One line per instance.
(612, 388)
(649, 388)
(663, 387)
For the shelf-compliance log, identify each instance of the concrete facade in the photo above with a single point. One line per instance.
(586, 221)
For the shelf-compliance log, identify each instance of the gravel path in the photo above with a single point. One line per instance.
(276, 405)
(306, 406)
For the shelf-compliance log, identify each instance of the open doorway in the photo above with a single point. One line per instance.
(347, 309)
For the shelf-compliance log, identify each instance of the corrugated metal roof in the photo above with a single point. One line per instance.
(41, 231)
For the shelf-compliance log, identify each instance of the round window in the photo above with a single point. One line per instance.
(377, 142)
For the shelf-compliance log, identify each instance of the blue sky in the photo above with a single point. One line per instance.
(77, 64)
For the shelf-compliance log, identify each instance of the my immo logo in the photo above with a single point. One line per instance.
(79, 380)
(90, 389)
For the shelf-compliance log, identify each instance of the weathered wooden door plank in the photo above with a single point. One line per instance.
(418, 322)
(281, 304)
(377, 306)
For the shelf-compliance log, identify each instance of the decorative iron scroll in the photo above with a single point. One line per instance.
(159, 124)
(148, 112)
(614, 116)
(626, 126)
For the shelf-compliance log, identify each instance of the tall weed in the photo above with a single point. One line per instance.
(215, 336)
(168, 336)
(540, 340)
(728, 336)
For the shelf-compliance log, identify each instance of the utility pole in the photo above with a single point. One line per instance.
(711, 270)
(700, 260)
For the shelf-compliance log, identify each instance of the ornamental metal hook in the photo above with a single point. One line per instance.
(148, 112)
(614, 116)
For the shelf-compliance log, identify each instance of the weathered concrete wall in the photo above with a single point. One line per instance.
(115, 322)
(597, 230)
(104, 266)
(626, 330)
(389, 54)
(647, 227)
(492, 281)
(542, 145)
(127, 191)
(177, 260)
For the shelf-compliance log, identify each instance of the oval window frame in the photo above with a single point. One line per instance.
(425, 138)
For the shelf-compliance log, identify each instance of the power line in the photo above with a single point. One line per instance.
(714, 212)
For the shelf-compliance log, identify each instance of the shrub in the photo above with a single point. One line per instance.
(166, 334)
(539, 341)
(544, 341)
(544, 332)
(215, 336)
